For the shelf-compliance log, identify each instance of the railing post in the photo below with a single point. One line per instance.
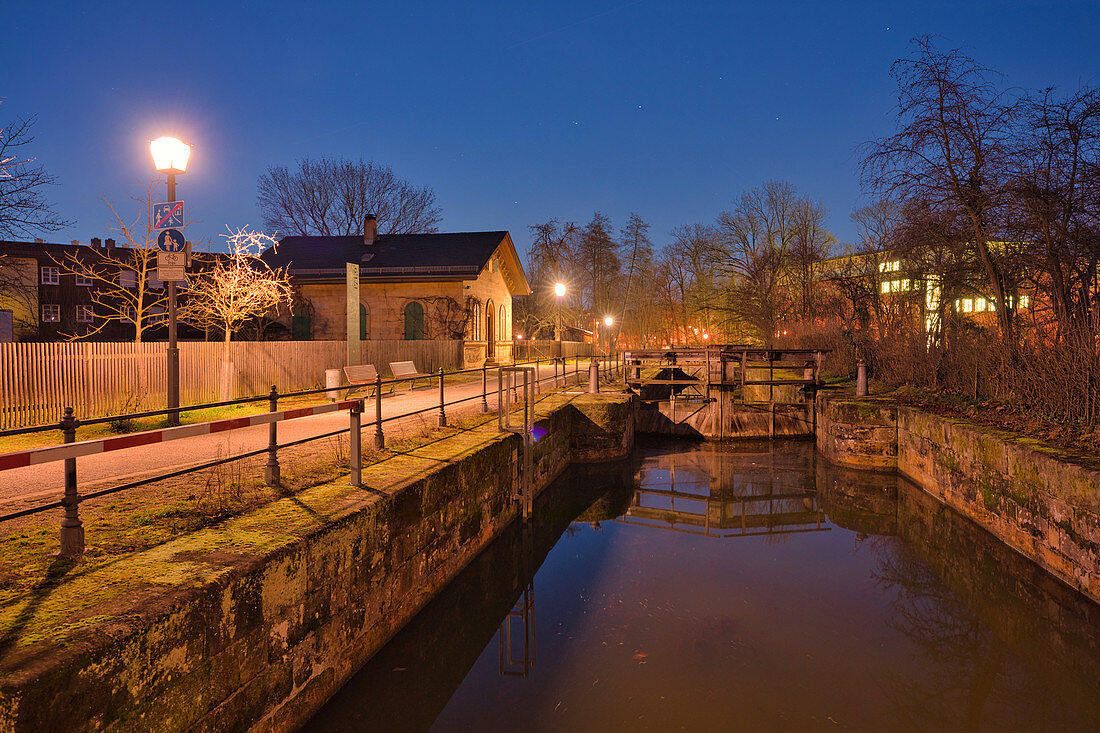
(379, 438)
(271, 470)
(861, 379)
(72, 529)
(442, 414)
(355, 438)
(484, 379)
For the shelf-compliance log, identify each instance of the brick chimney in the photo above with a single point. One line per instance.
(370, 229)
(96, 242)
(109, 243)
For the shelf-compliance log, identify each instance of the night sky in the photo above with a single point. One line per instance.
(513, 113)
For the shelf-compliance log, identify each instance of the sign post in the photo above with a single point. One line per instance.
(354, 356)
(171, 269)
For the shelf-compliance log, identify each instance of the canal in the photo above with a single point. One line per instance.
(753, 586)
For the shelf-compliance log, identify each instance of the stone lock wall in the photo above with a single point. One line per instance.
(1043, 503)
(254, 623)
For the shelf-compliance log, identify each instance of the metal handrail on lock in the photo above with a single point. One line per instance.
(524, 491)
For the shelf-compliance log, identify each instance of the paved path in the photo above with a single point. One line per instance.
(35, 484)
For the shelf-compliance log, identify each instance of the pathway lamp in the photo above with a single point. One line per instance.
(608, 321)
(559, 291)
(170, 156)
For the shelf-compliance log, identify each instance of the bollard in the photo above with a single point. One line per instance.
(861, 379)
(271, 470)
(484, 401)
(594, 378)
(355, 439)
(72, 529)
(379, 438)
(442, 414)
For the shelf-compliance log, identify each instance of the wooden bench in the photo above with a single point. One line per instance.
(359, 376)
(407, 370)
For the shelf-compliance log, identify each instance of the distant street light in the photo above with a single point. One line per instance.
(608, 320)
(170, 156)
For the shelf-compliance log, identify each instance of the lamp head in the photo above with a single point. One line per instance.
(608, 320)
(170, 155)
(559, 289)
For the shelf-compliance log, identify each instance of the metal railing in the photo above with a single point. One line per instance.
(72, 531)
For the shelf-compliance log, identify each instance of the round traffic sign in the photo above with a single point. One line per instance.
(171, 240)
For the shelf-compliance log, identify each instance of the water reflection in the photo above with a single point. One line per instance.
(905, 615)
(724, 492)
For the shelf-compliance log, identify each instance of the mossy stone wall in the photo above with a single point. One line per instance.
(1042, 502)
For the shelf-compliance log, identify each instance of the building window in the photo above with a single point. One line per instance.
(979, 305)
(129, 314)
(300, 326)
(127, 279)
(156, 314)
(84, 314)
(51, 276)
(968, 305)
(51, 313)
(475, 323)
(364, 322)
(885, 286)
(84, 279)
(414, 321)
(889, 266)
(503, 325)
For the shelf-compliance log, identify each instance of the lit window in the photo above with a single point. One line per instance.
(84, 314)
(51, 276)
(84, 279)
(885, 287)
(979, 305)
(51, 313)
(893, 266)
(127, 279)
(1024, 300)
(905, 285)
(968, 305)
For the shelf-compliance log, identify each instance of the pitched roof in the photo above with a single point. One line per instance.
(446, 255)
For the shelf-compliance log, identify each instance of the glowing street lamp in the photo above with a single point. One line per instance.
(170, 156)
(559, 290)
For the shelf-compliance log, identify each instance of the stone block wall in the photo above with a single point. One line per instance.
(252, 624)
(1043, 503)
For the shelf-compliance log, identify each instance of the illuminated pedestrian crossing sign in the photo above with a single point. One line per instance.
(171, 240)
(168, 214)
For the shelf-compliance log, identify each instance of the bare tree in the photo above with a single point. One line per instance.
(333, 197)
(125, 288)
(752, 252)
(598, 254)
(236, 289)
(23, 206)
(1056, 202)
(951, 150)
(635, 237)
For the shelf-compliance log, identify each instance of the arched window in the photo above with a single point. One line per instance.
(414, 321)
(300, 326)
(490, 331)
(475, 323)
(503, 325)
(364, 322)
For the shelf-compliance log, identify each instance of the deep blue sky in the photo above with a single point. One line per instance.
(513, 114)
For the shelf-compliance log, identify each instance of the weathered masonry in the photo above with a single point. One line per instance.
(255, 622)
(1043, 503)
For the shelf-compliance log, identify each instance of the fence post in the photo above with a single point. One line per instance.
(593, 377)
(442, 414)
(861, 379)
(355, 438)
(379, 438)
(484, 401)
(271, 470)
(72, 529)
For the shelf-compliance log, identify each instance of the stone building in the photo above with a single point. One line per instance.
(411, 286)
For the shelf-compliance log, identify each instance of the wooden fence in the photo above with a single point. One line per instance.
(39, 380)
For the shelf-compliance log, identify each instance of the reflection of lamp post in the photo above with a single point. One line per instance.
(170, 156)
(559, 290)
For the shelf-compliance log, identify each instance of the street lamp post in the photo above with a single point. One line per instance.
(170, 157)
(608, 321)
(559, 291)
